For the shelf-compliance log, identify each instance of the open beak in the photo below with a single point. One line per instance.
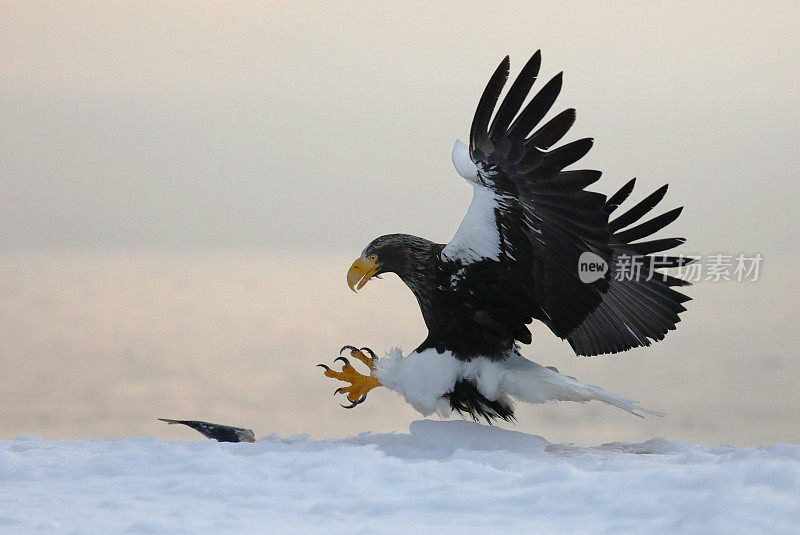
(362, 270)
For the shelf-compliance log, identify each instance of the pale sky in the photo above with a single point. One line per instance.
(184, 184)
(312, 126)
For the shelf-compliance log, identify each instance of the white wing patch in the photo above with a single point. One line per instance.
(477, 236)
(463, 163)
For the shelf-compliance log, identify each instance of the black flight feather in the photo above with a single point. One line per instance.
(552, 131)
(516, 96)
(536, 109)
(635, 213)
(619, 197)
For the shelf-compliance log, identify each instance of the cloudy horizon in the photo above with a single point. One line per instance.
(154, 158)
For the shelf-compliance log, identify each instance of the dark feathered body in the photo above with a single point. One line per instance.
(461, 315)
(473, 325)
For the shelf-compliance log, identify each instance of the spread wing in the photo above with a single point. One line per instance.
(534, 220)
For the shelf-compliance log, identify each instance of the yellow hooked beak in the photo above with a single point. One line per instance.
(360, 272)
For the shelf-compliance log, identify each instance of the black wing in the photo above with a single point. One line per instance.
(640, 304)
(542, 220)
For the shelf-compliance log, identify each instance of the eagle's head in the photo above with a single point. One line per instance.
(402, 254)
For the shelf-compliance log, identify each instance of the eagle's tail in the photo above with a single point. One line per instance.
(533, 383)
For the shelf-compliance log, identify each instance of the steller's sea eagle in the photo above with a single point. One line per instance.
(524, 251)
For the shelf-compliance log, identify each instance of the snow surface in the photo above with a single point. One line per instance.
(449, 477)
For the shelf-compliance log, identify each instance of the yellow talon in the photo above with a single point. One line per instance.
(359, 354)
(360, 384)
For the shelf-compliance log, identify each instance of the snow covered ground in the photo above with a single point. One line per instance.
(448, 477)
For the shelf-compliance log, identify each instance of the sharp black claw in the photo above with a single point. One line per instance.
(325, 367)
(337, 391)
(351, 348)
(359, 401)
(371, 353)
(343, 359)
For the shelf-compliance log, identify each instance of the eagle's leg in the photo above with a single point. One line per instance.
(360, 384)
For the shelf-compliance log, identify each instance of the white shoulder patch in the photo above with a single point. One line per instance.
(463, 163)
(477, 237)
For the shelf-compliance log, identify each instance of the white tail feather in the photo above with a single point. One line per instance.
(533, 383)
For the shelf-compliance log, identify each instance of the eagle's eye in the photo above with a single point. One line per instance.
(373, 257)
